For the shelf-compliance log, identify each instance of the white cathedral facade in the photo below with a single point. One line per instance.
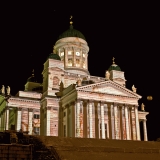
(72, 103)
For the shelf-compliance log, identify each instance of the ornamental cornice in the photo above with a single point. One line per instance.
(107, 94)
(108, 98)
(23, 100)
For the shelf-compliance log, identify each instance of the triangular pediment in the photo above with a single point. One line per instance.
(108, 87)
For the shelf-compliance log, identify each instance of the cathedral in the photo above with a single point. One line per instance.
(72, 103)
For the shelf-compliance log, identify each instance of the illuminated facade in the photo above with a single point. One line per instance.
(73, 103)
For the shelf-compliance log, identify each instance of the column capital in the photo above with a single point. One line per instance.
(115, 104)
(90, 101)
(30, 109)
(19, 108)
(48, 108)
(7, 108)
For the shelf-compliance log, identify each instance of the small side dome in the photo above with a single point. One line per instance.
(54, 56)
(114, 66)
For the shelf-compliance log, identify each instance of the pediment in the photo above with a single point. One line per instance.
(109, 87)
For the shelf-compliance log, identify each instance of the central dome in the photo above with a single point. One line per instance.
(71, 32)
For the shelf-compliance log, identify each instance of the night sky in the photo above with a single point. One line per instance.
(128, 32)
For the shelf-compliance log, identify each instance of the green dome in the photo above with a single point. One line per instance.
(72, 33)
(114, 67)
(31, 79)
(54, 56)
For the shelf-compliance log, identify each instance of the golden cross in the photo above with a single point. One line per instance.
(71, 20)
(113, 60)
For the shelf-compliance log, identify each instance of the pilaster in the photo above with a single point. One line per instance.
(30, 116)
(19, 115)
(48, 112)
(7, 119)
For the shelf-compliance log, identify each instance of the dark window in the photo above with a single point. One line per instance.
(36, 116)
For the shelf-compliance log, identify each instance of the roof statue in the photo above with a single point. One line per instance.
(8, 90)
(3, 89)
(142, 107)
(113, 60)
(134, 89)
(107, 75)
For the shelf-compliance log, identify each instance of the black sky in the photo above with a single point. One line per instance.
(128, 32)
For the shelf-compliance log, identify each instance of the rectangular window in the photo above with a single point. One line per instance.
(69, 62)
(62, 54)
(77, 62)
(70, 52)
(64, 114)
(83, 55)
(36, 116)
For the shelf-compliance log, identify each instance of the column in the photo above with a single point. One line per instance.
(145, 130)
(19, 114)
(81, 60)
(74, 57)
(110, 120)
(65, 57)
(7, 119)
(48, 113)
(30, 116)
(130, 122)
(107, 115)
(137, 123)
(90, 120)
(78, 118)
(96, 120)
(102, 121)
(121, 122)
(127, 122)
(116, 122)
(86, 61)
(85, 129)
